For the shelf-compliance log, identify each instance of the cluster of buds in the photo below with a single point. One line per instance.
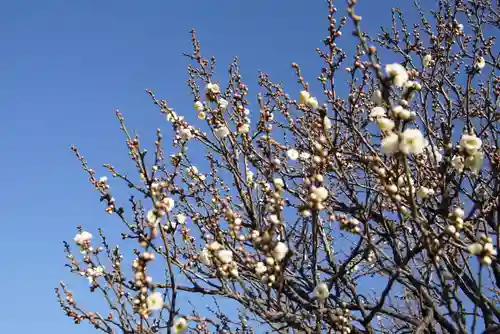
(456, 222)
(234, 222)
(484, 250)
(318, 194)
(320, 152)
(157, 188)
(342, 319)
(244, 125)
(306, 99)
(349, 224)
(470, 156)
(215, 254)
(143, 282)
(93, 272)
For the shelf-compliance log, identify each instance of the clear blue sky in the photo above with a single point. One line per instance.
(65, 66)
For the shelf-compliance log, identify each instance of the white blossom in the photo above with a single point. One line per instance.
(475, 249)
(427, 60)
(226, 256)
(475, 162)
(397, 73)
(223, 104)
(152, 218)
(180, 326)
(424, 192)
(401, 112)
(155, 301)
(260, 268)
(83, 237)
(457, 162)
(198, 106)
(192, 171)
(249, 176)
(327, 123)
(470, 143)
(103, 179)
(221, 132)
(168, 203)
(280, 251)
(377, 97)
(385, 124)
(321, 291)
(292, 154)
(377, 112)
(186, 133)
(304, 155)
(212, 88)
(244, 128)
(390, 144)
(318, 193)
(181, 218)
(304, 96)
(413, 142)
(480, 63)
(312, 102)
(205, 257)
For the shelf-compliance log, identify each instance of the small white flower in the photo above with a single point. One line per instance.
(181, 218)
(260, 268)
(377, 97)
(152, 218)
(83, 237)
(198, 106)
(377, 112)
(319, 193)
(304, 97)
(425, 192)
(385, 124)
(280, 251)
(401, 112)
(413, 142)
(221, 132)
(327, 123)
(480, 63)
(223, 104)
(390, 144)
(457, 162)
(475, 249)
(249, 176)
(186, 133)
(244, 128)
(155, 301)
(470, 143)
(180, 326)
(304, 156)
(278, 183)
(226, 256)
(312, 102)
(397, 73)
(292, 154)
(168, 203)
(212, 88)
(475, 162)
(205, 257)
(103, 179)
(460, 27)
(321, 291)
(458, 212)
(192, 171)
(427, 60)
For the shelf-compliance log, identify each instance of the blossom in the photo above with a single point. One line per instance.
(480, 63)
(401, 112)
(424, 192)
(475, 162)
(83, 237)
(397, 73)
(321, 291)
(457, 162)
(385, 124)
(103, 179)
(205, 257)
(304, 96)
(221, 132)
(318, 194)
(180, 326)
(186, 133)
(249, 176)
(192, 171)
(202, 115)
(244, 128)
(413, 142)
(280, 251)
(470, 143)
(377, 97)
(475, 249)
(427, 60)
(458, 212)
(168, 203)
(154, 301)
(181, 218)
(226, 256)
(377, 112)
(327, 123)
(292, 154)
(198, 106)
(223, 104)
(212, 88)
(260, 268)
(390, 144)
(152, 218)
(312, 102)
(304, 155)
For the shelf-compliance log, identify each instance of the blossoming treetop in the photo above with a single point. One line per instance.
(374, 212)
